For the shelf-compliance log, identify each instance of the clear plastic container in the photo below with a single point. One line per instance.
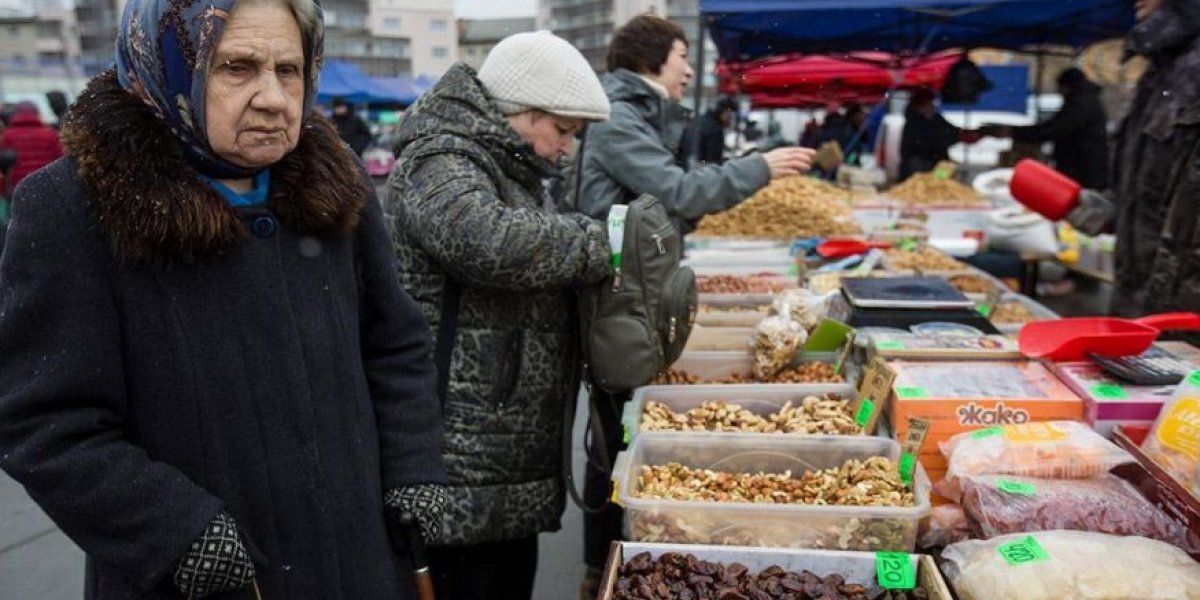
(783, 269)
(761, 400)
(1040, 312)
(719, 339)
(766, 525)
(714, 366)
(720, 312)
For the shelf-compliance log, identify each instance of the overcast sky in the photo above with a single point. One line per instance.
(489, 9)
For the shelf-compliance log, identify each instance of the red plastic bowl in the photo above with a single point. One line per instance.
(1044, 190)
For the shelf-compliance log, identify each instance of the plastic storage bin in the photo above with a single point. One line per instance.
(719, 339)
(720, 313)
(761, 400)
(712, 366)
(1040, 312)
(766, 525)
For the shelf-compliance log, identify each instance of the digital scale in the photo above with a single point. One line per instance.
(901, 302)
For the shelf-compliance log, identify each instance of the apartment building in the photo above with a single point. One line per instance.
(96, 21)
(425, 28)
(477, 37)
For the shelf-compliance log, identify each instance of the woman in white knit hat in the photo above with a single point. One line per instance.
(492, 265)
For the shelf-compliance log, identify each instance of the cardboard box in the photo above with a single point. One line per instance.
(856, 567)
(1153, 481)
(958, 397)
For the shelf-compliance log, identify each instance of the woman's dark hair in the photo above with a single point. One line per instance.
(643, 44)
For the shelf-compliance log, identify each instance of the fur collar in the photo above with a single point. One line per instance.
(156, 207)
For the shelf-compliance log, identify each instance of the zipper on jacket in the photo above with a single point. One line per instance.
(616, 279)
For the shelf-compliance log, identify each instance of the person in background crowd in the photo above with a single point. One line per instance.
(810, 135)
(350, 127)
(35, 144)
(636, 152)
(927, 135)
(1079, 131)
(494, 267)
(1151, 197)
(212, 379)
(712, 128)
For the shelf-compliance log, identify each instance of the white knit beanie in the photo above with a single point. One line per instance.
(543, 71)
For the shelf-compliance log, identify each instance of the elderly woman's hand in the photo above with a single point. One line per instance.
(789, 161)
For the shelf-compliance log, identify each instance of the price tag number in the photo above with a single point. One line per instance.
(1024, 551)
(894, 571)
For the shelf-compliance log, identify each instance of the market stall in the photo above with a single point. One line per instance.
(846, 412)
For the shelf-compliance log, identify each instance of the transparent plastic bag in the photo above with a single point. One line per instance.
(776, 341)
(1003, 504)
(1174, 442)
(803, 306)
(1052, 450)
(947, 525)
(1070, 565)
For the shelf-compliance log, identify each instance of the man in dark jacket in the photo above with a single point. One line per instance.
(927, 135)
(353, 130)
(1155, 183)
(35, 143)
(712, 128)
(1079, 131)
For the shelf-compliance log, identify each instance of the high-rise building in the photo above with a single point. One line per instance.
(97, 23)
(476, 37)
(588, 25)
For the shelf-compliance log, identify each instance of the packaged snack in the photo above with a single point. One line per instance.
(803, 306)
(1053, 450)
(1174, 442)
(776, 341)
(947, 525)
(1002, 504)
(1070, 565)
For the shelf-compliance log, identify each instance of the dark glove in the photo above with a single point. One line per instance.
(1095, 213)
(426, 503)
(216, 563)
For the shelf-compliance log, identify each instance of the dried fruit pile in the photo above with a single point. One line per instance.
(684, 577)
(813, 415)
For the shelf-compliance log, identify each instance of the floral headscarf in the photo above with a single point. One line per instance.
(163, 52)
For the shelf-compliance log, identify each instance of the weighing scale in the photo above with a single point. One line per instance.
(901, 302)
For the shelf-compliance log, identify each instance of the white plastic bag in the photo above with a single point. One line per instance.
(1070, 565)
(1017, 230)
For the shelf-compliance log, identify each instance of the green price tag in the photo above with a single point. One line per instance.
(1022, 551)
(908, 245)
(907, 463)
(625, 434)
(864, 413)
(983, 309)
(1019, 488)
(912, 392)
(895, 571)
(1194, 378)
(941, 175)
(986, 433)
(1109, 391)
(890, 345)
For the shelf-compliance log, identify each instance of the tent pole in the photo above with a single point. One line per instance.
(694, 151)
(1037, 86)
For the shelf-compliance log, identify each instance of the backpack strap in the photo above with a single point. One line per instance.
(603, 460)
(447, 328)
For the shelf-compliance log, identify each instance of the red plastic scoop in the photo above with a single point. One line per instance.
(1070, 339)
(1044, 190)
(844, 248)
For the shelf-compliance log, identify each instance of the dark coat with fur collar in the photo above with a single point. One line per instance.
(167, 357)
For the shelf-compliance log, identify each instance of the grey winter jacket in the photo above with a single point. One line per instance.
(635, 152)
(471, 220)
(1154, 198)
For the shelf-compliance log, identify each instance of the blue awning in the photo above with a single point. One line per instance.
(344, 80)
(749, 29)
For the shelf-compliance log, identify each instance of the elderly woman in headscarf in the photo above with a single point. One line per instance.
(212, 379)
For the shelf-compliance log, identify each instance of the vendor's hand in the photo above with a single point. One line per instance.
(216, 563)
(425, 503)
(789, 161)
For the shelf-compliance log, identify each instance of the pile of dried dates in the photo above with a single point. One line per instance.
(684, 577)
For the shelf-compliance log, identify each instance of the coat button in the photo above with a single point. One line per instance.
(264, 226)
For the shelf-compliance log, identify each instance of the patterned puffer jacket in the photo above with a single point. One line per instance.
(479, 243)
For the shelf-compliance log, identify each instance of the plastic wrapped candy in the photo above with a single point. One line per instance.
(1070, 565)
(1003, 504)
(776, 341)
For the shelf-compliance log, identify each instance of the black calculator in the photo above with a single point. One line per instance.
(1147, 369)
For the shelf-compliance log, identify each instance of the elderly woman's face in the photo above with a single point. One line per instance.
(255, 91)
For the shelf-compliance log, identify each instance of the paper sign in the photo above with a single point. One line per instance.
(1109, 391)
(847, 348)
(994, 297)
(908, 462)
(1016, 487)
(876, 385)
(865, 409)
(1023, 551)
(828, 336)
(895, 571)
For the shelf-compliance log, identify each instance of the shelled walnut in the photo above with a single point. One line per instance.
(674, 576)
(809, 372)
(734, 284)
(874, 481)
(1012, 311)
(812, 415)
